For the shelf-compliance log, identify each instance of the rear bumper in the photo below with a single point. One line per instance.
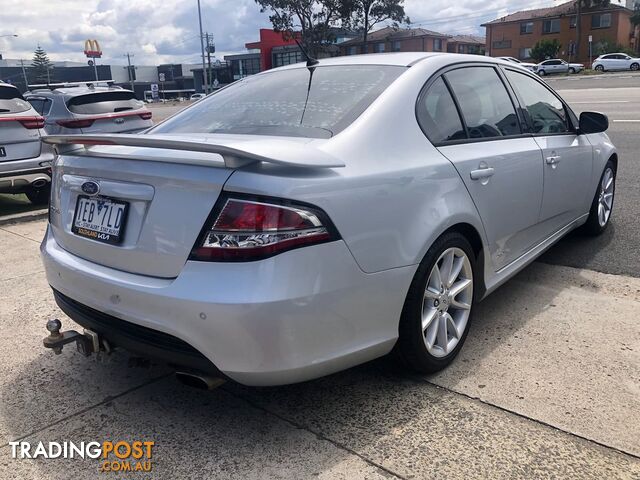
(296, 316)
(17, 176)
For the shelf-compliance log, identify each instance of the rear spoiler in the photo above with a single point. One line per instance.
(236, 153)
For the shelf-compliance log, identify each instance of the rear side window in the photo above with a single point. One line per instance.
(11, 101)
(484, 102)
(41, 105)
(438, 116)
(301, 102)
(546, 112)
(104, 102)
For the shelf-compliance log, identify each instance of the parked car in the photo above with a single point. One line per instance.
(85, 108)
(615, 61)
(25, 163)
(529, 66)
(310, 218)
(197, 96)
(557, 65)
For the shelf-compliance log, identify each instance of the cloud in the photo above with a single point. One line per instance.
(167, 30)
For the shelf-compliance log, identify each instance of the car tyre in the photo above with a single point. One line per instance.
(635, 66)
(437, 311)
(39, 196)
(602, 204)
(599, 68)
(541, 73)
(572, 70)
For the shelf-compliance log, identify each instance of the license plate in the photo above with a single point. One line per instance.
(100, 218)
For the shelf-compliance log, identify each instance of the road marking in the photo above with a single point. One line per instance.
(604, 101)
(627, 121)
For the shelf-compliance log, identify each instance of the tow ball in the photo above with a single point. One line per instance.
(87, 343)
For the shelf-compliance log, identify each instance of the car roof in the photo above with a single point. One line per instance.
(74, 91)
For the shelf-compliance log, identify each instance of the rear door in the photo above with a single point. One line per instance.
(115, 111)
(19, 123)
(470, 116)
(568, 157)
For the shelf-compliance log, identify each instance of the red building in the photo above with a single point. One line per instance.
(268, 40)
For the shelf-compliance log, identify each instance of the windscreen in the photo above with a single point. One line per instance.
(11, 101)
(104, 102)
(304, 102)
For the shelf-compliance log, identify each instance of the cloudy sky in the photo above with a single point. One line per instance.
(160, 31)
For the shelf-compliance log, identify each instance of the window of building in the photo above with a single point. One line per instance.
(502, 44)
(551, 26)
(379, 47)
(572, 22)
(601, 20)
(485, 105)
(245, 66)
(460, 48)
(397, 45)
(286, 58)
(437, 44)
(352, 51)
(526, 27)
(524, 53)
(545, 110)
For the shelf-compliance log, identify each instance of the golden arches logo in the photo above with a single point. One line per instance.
(92, 48)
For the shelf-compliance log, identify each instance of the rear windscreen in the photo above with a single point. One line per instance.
(11, 101)
(306, 102)
(104, 102)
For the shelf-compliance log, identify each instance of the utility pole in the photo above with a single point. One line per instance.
(24, 74)
(208, 58)
(204, 71)
(129, 70)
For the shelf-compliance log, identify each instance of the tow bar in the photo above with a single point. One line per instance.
(87, 343)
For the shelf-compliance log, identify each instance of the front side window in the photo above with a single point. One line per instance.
(551, 26)
(546, 112)
(485, 105)
(602, 20)
(299, 102)
(438, 116)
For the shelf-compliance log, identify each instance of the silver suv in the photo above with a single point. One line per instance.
(89, 108)
(25, 163)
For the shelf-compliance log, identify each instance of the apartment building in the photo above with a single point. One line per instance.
(515, 34)
(390, 39)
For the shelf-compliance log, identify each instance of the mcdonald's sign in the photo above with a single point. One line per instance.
(92, 49)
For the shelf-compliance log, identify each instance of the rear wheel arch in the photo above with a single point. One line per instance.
(614, 159)
(475, 240)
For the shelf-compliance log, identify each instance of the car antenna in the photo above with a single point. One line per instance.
(311, 62)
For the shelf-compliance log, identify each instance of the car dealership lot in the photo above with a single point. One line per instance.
(547, 384)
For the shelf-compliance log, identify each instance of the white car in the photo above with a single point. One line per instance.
(197, 96)
(529, 66)
(557, 65)
(615, 61)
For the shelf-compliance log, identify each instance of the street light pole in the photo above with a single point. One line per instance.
(8, 35)
(204, 70)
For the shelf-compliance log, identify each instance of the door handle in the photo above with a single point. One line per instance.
(552, 159)
(481, 173)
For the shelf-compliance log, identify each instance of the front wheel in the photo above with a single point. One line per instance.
(541, 73)
(437, 312)
(572, 70)
(599, 68)
(635, 66)
(602, 204)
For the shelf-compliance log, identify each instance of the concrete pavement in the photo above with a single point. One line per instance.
(547, 385)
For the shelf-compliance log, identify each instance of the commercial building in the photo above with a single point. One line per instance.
(514, 35)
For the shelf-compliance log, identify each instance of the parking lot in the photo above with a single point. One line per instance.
(546, 386)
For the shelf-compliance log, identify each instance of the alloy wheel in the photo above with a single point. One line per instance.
(447, 302)
(605, 197)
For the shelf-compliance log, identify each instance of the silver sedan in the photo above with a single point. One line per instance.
(316, 216)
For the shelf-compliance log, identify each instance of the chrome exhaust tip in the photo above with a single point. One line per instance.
(199, 380)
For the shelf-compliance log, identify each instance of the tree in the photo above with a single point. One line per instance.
(607, 46)
(41, 65)
(585, 5)
(545, 49)
(312, 18)
(635, 18)
(366, 14)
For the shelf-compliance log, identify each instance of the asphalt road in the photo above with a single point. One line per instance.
(618, 250)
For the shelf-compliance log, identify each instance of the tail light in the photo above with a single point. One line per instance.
(145, 116)
(85, 123)
(252, 229)
(30, 123)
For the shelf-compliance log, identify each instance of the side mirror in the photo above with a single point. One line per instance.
(593, 122)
